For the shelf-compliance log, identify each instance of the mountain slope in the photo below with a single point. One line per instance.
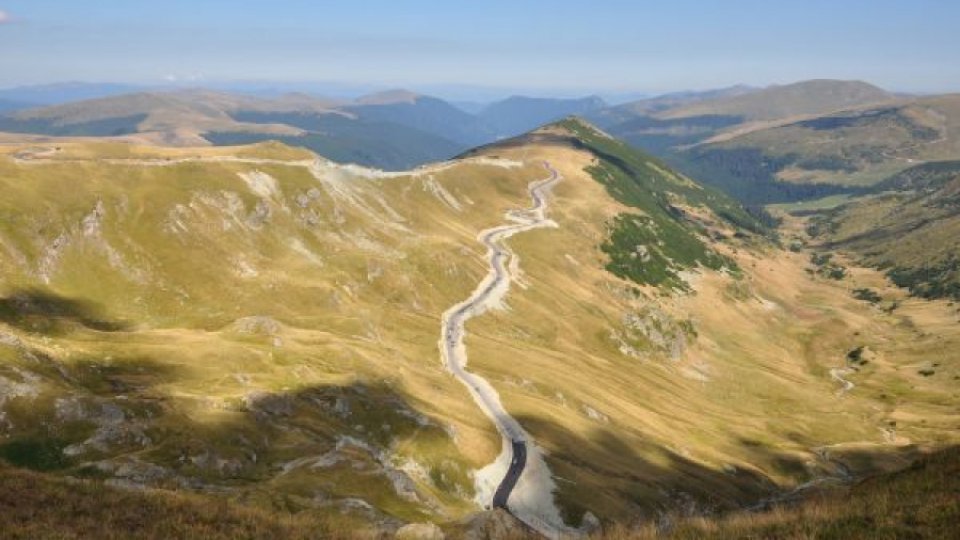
(797, 142)
(372, 143)
(648, 106)
(39, 506)
(260, 323)
(727, 138)
(426, 114)
(912, 230)
(833, 153)
(640, 181)
(662, 124)
(7, 105)
(176, 116)
(814, 97)
(381, 132)
(919, 502)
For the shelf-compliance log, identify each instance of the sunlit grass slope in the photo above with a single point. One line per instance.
(261, 324)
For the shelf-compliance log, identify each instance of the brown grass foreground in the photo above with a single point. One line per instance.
(37, 506)
(921, 502)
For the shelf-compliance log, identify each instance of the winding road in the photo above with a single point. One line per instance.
(489, 293)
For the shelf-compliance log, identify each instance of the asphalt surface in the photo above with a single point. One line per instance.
(517, 463)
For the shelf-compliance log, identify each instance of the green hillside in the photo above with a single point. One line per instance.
(384, 145)
(668, 244)
(666, 124)
(911, 229)
(846, 152)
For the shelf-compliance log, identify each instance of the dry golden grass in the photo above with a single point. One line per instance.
(732, 418)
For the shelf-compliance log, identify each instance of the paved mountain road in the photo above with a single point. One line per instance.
(488, 294)
(509, 481)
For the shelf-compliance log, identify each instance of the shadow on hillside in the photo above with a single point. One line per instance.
(653, 479)
(331, 443)
(130, 376)
(637, 480)
(45, 312)
(327, 443)
(87, 394)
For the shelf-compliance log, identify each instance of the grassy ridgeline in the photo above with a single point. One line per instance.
(653, 247)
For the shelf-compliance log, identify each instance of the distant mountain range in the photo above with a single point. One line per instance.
(793, 142)
(776, 144)
(392, 130)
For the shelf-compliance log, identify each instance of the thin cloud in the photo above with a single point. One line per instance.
(5, 17)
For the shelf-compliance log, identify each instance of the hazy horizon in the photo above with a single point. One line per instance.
(560, 48)
(451, 92)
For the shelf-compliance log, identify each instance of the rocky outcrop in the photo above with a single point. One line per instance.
(651, 330)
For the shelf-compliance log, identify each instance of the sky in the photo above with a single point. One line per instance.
(555, 46)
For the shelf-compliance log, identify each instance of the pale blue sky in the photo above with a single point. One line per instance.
(595, 45)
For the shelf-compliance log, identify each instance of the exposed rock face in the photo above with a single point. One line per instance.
(652, 330)
(114, 428)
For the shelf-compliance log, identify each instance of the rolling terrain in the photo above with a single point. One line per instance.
(676, 120)
(800, 142)
(378, 130)
(259, 324)
(909, 229)
(392, 130)
(795, 142)
(849, 151)
(782, 143)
